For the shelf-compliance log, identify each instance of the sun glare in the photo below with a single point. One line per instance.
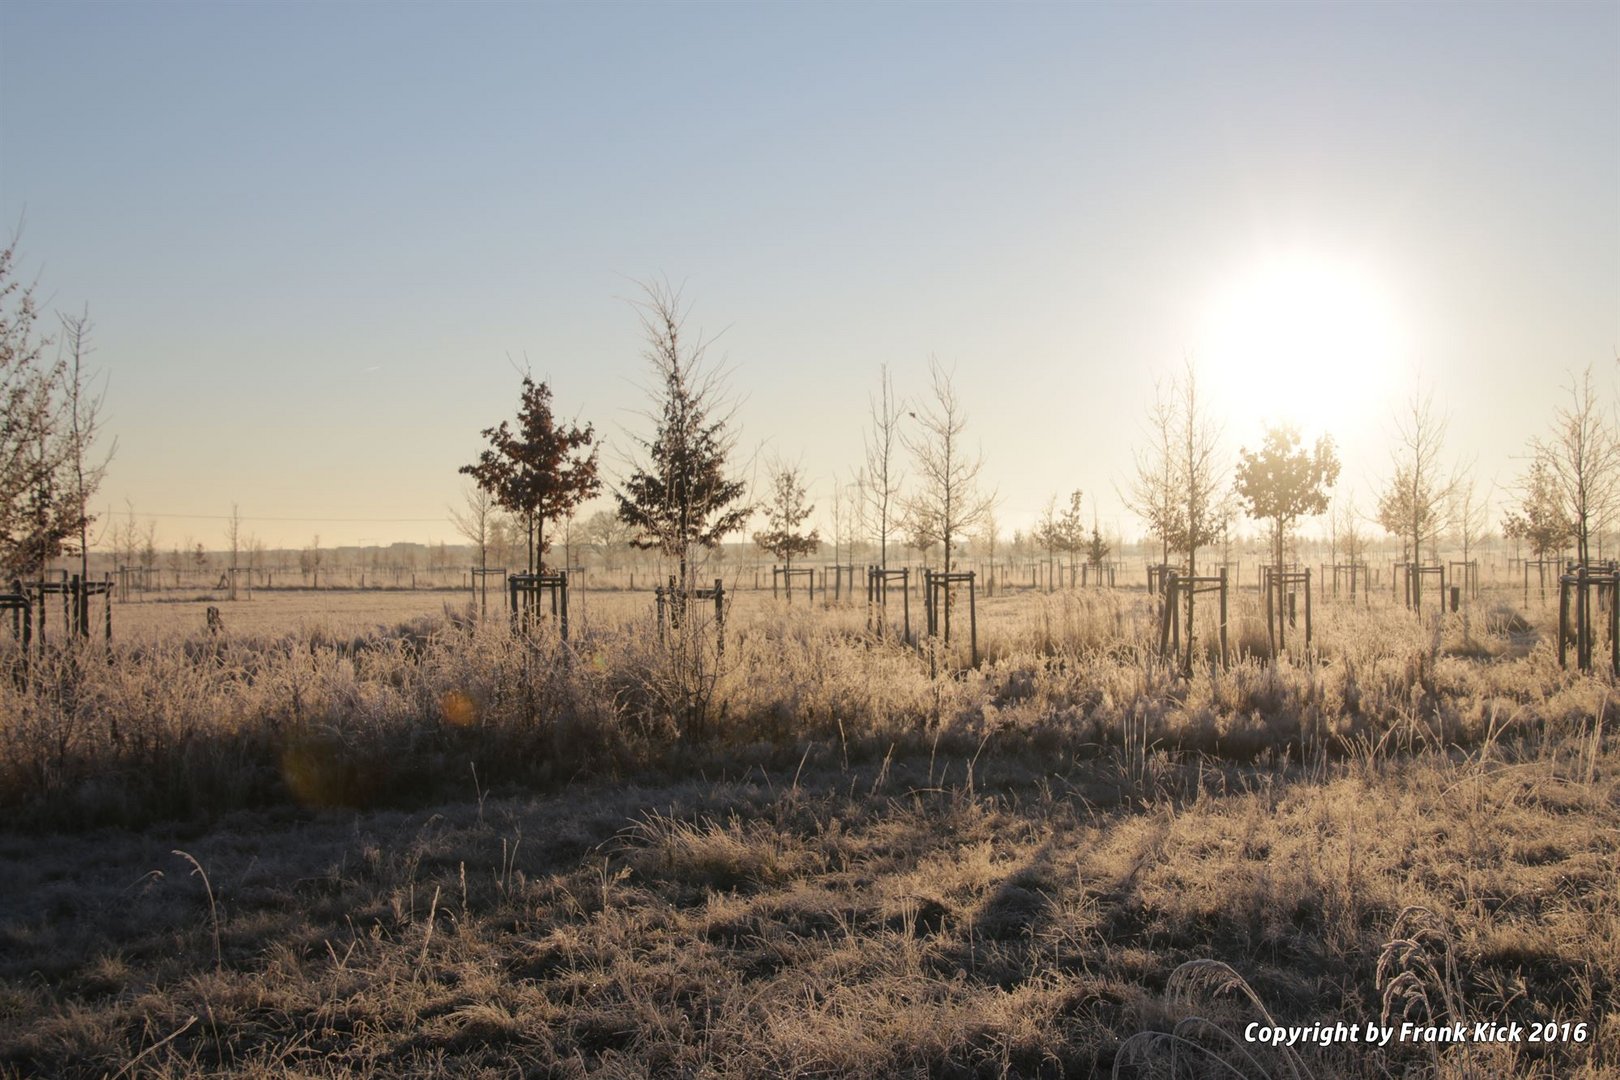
(1301, 339)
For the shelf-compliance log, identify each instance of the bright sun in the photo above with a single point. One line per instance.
(1301, 339)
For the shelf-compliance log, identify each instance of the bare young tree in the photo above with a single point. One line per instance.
(607, 536)
(880, 479)
(1199, 480)
(1152, 494)
(309, 561)
(1048, 534)
(846, 508)
(1347, 530)
(1017, 545)
(949, 503)
(255, 557)
(1179, 488)
(990, 536)
(149, 552)
(1468, 517)
(233, 537)
(1413, 505)
(1062, 530)
(855, 540)
(506, 539)
(125, 537)
(1582, 458)
(918, 533)
(475, 521)
(840, 515)
(82, 402)
(1199, 473)
(570, 519)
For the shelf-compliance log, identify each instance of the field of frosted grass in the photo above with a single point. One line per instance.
(426, 846)
(339, 700)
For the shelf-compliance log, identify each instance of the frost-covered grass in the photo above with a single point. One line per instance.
(439, 848)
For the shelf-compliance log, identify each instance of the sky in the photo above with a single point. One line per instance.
(320, 242)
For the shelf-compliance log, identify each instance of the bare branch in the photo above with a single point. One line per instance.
(948, 503)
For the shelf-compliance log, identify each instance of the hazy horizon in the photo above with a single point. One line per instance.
(318, 241)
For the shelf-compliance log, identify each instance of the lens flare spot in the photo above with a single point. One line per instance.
(317, 774)
(458, 709)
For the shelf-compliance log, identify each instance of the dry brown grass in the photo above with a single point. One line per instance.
(189, 725)
(844, 922)
(810, 859)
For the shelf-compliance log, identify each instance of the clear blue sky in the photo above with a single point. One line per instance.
(312, 235)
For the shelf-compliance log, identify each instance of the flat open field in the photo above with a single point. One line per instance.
(425, 847)
(358, 611)
(276, 611)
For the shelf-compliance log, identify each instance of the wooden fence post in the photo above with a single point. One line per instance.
(973, 619)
